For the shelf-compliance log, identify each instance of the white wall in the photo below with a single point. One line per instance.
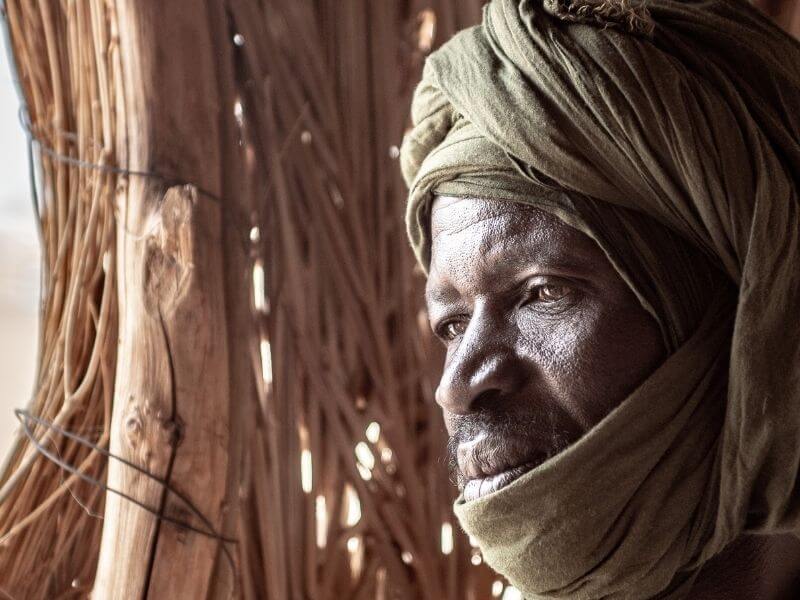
(19, 263)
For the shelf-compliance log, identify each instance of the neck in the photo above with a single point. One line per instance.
(753, 567)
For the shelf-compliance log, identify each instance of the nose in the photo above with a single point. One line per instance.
(484, 368)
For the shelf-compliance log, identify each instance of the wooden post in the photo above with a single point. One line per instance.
(175, 402)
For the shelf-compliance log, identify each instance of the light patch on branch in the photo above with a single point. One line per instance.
(168, 263)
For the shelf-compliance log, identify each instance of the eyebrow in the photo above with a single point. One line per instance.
(556, 253)
(440, 294)
(575, 265)
(560, 255)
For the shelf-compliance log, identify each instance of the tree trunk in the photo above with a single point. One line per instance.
(173, 413)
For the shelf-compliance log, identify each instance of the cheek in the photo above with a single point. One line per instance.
(592, 358)
(632, 349)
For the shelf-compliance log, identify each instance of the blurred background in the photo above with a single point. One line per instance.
(19, 262)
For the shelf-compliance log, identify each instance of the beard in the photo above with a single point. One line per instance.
(534, 435)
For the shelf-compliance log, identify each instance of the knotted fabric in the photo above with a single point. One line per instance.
(652, 131)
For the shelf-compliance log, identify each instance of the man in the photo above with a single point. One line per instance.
(605, 198)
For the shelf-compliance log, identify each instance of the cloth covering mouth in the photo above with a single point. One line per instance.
(675, 144)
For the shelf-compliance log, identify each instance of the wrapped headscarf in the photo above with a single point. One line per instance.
(652, 131)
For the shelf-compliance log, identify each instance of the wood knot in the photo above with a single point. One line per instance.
(631, 16)
(151, 434)
(168, 262)
(174, 431)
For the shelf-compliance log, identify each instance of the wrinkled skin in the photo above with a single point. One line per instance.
(543, 340)
(543, 336)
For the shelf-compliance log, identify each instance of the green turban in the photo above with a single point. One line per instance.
(665, 135)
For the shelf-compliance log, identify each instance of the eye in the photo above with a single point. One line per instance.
(550, 293)
(450, 330)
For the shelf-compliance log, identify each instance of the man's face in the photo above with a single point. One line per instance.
(543, 337)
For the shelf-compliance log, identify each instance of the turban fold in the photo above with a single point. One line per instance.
(676, 147)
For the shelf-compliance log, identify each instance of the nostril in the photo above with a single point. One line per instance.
(453, 398)
(478, 381)
(485, 399)
(464, 401)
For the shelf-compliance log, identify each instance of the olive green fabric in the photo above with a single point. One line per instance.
(694, 129)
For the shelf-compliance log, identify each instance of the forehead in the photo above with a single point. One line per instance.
(450, 216)
(468, 235)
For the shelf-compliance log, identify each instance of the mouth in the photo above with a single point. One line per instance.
(486, 466)
(482, 486)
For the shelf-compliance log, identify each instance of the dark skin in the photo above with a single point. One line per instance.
(544, 339)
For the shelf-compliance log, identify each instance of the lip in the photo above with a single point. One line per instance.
(487, 467)
(480, 487)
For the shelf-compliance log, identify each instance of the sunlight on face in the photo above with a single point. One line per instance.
(543, 336)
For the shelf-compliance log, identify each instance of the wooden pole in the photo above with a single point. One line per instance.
(174, 412)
